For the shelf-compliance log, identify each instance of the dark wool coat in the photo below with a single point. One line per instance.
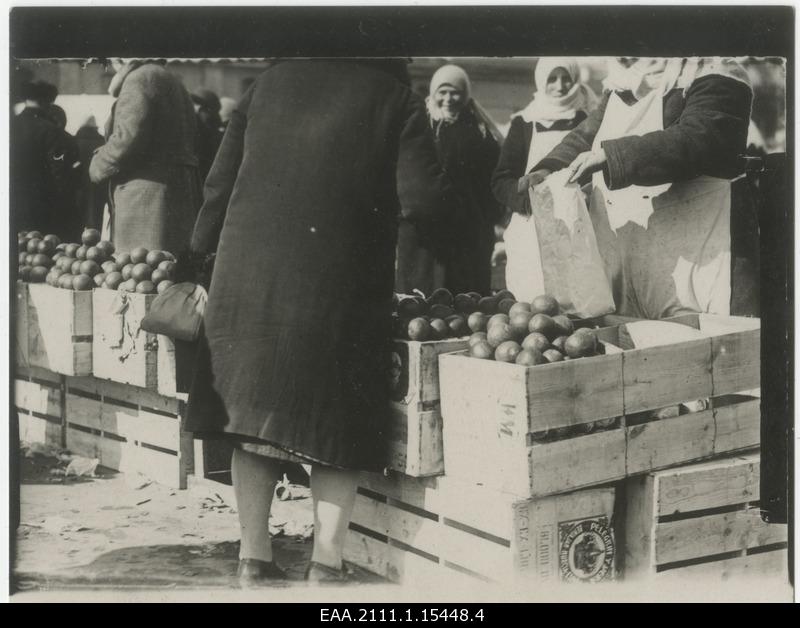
(468, 154)
(302, 206)
(92, 197)
(705, 133)
(150, 163)
(37, 164)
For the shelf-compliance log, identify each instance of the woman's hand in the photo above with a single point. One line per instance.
(531, 180)
(586, 163)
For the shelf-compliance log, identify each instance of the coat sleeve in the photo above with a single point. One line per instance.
(131, 131)
(707, 139)
(422, 186)
(220, 181)
(578, 141)
(510, 167)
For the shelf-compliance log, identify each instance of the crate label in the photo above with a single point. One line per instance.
(586, 550)
(544, 551)
(398, 372)
(522, 534)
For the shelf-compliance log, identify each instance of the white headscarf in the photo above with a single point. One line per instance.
(545, 109)
(447, 75)
(648, 73)
(456, 77)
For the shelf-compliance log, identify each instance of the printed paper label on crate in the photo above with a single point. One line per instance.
(586, 550)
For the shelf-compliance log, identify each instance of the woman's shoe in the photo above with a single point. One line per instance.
(317, 573)
(253, 572)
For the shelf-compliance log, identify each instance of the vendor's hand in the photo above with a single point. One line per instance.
(531, 180)
(586, 163)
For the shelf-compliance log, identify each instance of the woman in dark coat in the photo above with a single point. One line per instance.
(468, 146)
(663, 151)
(301, 206)
(149, 159)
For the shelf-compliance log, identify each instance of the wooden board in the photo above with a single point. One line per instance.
(751, 567)
(487, 420)
(34, 429)
(415, 441)
(444, 528)
(415, 376)
(124, 352)
(700, 518)
(60, 329)
(20, 313)
(130, 434)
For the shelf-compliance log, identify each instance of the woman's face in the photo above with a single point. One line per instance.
(558, 83)
(449, 100)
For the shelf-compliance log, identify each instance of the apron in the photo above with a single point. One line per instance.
(666, 248)
(524, 275)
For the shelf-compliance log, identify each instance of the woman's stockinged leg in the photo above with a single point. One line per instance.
(333, 492)
(254, 480)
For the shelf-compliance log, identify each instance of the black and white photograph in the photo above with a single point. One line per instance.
(363, 305)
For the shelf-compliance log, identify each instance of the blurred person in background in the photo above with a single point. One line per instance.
(467, 143)
(92, 198)
(209, 128)
(663, 153)
(38, 164)
(561, 102)
(149, 159)
(68, 179)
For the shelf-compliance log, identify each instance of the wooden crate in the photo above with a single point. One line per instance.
(415, 434)
(60, 329)
(494, 413)
(125, 353)
(20, 313)
(39, 399)
(416, 529)
(523, 430)
(701, 521)
(129, 429)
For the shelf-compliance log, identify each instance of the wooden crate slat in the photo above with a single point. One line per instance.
(86, 444)
(31, 372)
(35, 397)
(668, 442)
(85, 411)
(736, 362)
(659, 376)
(123, 352)
(574, 392)
(575, 463)
(738, 426)
(142, 426)
(60, 329)
(710, 485)
(115, 391)
(714, 534)
(36, 430)
(773, 564)
(166, 367)
(415, 441)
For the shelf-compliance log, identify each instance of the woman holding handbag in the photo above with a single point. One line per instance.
(293, 363)
(561, 102)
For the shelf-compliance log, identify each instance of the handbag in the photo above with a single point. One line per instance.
(177, 312)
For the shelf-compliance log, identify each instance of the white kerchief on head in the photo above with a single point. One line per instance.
(545, 109)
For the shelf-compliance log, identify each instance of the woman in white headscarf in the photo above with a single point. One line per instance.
(561, 102)
(662, 154)
(467, 143)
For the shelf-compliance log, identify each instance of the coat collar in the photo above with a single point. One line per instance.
(119, 78)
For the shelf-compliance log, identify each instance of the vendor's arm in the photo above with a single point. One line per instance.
(707, 139)
(510, 167)
(220, 181)
(132, 129)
